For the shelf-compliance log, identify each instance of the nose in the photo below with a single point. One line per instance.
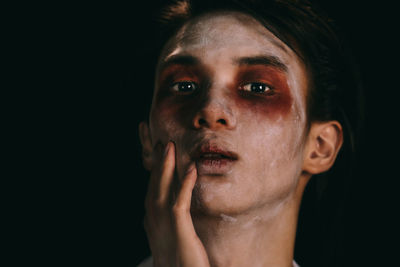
(214, 115)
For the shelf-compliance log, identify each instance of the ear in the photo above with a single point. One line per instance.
(323, 144)
(147, 145)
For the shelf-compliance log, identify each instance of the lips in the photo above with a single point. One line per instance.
(213, 159)
(214, 156)
(210, 151)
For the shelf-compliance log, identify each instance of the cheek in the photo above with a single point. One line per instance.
(273, 146)
(169, 119)
(177, 110)
(279, 160)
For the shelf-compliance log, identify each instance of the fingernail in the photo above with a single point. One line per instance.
(167, 149)
(191, 168)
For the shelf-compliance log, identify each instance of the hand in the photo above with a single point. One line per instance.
(168, 223)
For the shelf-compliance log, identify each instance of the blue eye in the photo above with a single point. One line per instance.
(256, 87)
(184, 87)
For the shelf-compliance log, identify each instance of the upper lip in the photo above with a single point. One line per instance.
(210, 149)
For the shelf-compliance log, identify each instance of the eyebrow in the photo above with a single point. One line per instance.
(185, 60)
(262, 60)
(189, 60)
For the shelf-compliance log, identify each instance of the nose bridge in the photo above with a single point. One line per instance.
(218, 101)
(216, 110)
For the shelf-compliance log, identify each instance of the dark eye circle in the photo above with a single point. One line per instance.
(184, 87)
(256, 87)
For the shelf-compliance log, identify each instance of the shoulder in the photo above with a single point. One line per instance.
(149, 263)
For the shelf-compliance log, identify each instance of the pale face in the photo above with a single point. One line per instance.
(232, 97)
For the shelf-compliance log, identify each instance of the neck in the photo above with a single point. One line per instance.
(250, 239)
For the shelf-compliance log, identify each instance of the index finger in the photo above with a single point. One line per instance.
(167, 174)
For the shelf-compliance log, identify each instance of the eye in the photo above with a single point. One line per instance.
(184, 87)
(255, 87)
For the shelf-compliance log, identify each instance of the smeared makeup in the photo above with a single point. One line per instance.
(275, 102)
(266, 127)
(180, 105)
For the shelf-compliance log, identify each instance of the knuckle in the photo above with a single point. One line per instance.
(154, 204)
(158, 203)
(159, 207)
(178, 209)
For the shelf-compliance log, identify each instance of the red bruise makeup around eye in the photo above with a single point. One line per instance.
(174, 74)
(274, 102)
(172, 103)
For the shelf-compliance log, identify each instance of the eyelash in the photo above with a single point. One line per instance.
(248, 87)
(176, 87)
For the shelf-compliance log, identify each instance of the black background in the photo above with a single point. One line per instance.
(89, 182)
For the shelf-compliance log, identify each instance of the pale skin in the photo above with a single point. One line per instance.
(245, 212)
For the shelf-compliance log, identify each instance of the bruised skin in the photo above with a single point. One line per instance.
(265, 130)
(273, 104)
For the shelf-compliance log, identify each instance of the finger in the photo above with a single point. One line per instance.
(182, 205)
(156, 160)
(152, 189)
(167, 174)
(183, 220)
(191, 251)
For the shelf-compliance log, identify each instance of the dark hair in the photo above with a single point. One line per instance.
(335, 93)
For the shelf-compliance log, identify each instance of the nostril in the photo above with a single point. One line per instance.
(211, 121)
(202, 121)
(222, 121)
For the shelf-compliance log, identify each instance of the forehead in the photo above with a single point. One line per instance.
(227, 31)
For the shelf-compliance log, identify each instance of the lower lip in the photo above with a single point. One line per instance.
(214, 167)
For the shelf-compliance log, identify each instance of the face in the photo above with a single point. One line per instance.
(232, 97)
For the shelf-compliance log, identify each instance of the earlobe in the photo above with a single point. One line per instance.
(147, 145)
(324, 142)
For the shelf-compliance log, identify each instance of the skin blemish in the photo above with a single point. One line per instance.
(228, 218)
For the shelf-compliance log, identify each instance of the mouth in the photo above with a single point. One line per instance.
(209, 151)
(212, 159)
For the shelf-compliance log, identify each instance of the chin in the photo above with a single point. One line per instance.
(213, 200)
